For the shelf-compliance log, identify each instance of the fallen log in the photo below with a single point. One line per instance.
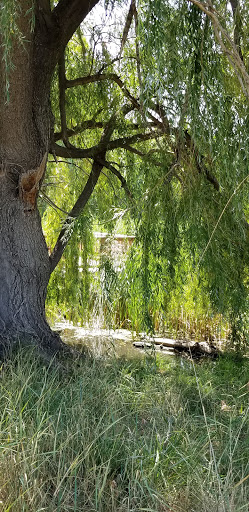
(193, 349)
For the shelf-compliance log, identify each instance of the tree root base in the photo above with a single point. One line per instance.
(50, 348)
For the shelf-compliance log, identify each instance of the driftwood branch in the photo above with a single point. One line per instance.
(192, 349)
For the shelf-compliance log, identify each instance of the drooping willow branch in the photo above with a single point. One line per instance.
(228, 46)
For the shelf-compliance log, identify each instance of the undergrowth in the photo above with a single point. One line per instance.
(120, 435)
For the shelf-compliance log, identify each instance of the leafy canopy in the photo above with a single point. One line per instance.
(154, 93)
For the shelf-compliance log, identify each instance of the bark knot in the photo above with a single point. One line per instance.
(29, 184)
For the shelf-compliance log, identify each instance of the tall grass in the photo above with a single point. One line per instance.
(115, 435)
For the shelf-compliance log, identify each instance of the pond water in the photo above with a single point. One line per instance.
(108, 342)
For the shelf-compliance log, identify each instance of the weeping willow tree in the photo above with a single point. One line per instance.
(147, 115)
(185, 193)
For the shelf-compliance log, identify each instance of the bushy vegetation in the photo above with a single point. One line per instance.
(116, 435)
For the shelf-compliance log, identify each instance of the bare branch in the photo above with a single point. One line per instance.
(90, 124)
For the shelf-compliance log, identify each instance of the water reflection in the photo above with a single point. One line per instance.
(105, 342)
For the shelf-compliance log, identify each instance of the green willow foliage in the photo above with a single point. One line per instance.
(10, 11)
(190, 256)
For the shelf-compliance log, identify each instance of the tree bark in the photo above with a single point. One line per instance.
(24, 273)
(26, 127)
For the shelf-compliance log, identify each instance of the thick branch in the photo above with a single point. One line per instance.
(210, 177)
(43, 5)
(67, 16)
(237, 25)
(123, 142)
(43, 14)
(199, 162)
(67, 228)
(72, 152)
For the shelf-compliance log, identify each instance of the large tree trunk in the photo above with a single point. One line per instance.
(25, 135)
(26, 128)
(24, 273)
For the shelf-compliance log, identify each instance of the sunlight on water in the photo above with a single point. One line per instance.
(104, 342)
